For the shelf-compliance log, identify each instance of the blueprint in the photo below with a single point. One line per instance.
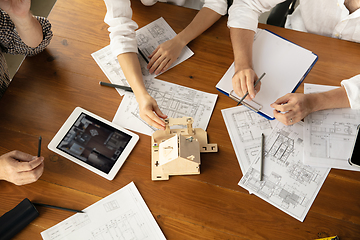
(245, 128)
(287, 183)
(122, 215)
(330, 134)
(174, 100)
(148, 38)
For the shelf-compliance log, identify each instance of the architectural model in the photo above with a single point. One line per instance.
(177, 151)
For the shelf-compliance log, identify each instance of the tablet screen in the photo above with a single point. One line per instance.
(94, 142)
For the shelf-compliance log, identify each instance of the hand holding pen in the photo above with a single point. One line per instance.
(21, 168)
(243, 82)
(247, 93)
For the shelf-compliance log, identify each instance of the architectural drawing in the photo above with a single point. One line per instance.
(126, 226)
(245, 127)
(111, 67)
(330, 135)
(148, 38)
(287, 183)
(174, 100)
(120, 216)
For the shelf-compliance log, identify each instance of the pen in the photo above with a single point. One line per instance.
(145, 58)
(247, 93)
(39, 147)
(126, 88)
(262, 157)
(62, 208)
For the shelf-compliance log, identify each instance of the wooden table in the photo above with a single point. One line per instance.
(211, 205)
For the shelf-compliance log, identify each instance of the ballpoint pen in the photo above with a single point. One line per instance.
(145, 58)
(262, 157)
(247, 93)
(126, 88)
(39, 147)
(56, 207)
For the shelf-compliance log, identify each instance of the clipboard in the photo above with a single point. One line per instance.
(286, 65)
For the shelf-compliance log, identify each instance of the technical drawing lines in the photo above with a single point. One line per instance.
(126, 226)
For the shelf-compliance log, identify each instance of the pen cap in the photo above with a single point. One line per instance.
(16, 219)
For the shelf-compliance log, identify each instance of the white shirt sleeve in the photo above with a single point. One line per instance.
(352, 87)
(219, 6)
(245, 13)
(121, 27)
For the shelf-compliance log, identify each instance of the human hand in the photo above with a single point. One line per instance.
(243, 82)
(150, 111)
(292, 108)
(16, 8)
(164, 55)
(20, 168)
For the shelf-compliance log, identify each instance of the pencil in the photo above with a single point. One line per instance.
(55, 207)
(247, 93)
(262, 157)
(39, 147)
(126, 88)
(145, 58)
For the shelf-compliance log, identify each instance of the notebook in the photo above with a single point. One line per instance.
(285, 64)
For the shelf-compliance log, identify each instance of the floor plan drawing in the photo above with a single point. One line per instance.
(174, 100)
(287, 183)
(330, 135)
(148, 38)
(245, 127)
(123, 215)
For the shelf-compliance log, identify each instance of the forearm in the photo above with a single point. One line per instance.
(242, 42)
(336, 98)
(202, 21)
(130, 65)
(29, 29)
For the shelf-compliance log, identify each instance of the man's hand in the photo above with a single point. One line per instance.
(243, 81)
(20, 168)
(292, 108)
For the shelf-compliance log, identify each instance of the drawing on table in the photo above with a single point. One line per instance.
(174, 100)
(126, 226)
(245, 127)
(287, 183)
(330, 134)
(112, 205)
(148, 38)
(122, 215)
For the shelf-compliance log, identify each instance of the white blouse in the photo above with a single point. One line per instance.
(122, 27)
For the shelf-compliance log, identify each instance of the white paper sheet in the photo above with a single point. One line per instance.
(330, 134)
(174, 100)
(121, 215)
(287, 183)
(245, 127)
(285, 64)
(148, 38)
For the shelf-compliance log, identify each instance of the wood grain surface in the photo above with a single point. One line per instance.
(211, 205)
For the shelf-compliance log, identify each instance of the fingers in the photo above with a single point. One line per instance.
(28, 166)
(288, 118)
(27, 177)
(152, 119)
(20, 168)
(243, 82)
(21, 156)
(159, 63)
(283, 104)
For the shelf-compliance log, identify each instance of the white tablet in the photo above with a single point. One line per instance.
(94, 143)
